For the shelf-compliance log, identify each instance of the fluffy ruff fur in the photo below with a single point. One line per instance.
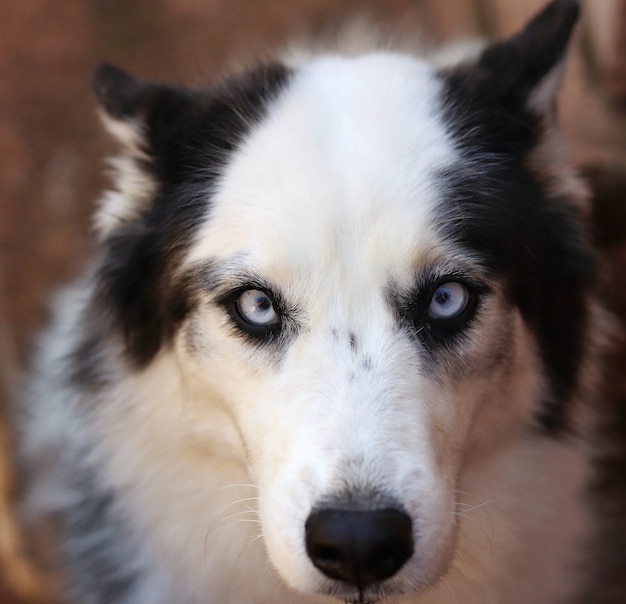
(337, 345)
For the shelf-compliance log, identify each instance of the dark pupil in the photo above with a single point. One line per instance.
(442, 297)
(263, 303)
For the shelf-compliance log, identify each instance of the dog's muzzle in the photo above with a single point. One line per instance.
(361, 547)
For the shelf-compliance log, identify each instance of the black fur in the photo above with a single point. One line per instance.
(498, 208)
(188, 136)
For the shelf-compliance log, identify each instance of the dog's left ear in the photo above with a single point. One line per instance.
(532, 61)
(524, 71)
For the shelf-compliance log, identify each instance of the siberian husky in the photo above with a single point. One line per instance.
(337, 344)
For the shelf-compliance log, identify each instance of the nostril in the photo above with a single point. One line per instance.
(361, 547)
(326, 558)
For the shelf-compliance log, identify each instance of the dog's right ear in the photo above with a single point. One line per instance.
(137, 112)
(174, 136)
(121, 95)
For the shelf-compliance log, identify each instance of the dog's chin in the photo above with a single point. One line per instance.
(370, 595)
(381, 593)
(373, 594)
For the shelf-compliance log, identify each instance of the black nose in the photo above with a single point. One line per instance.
(361, 547)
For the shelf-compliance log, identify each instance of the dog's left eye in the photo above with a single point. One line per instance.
(449, 301)
(256, 308)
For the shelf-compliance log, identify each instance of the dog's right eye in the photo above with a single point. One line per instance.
(254, 312)
(256, 308)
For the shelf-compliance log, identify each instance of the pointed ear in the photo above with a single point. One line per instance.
(529, 66)
(133, 108)
(504, 101)
(121, 95)
(174, 136)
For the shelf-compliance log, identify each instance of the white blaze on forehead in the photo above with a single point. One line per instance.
(343, 170)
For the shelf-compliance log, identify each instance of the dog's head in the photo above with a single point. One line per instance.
(375, 268)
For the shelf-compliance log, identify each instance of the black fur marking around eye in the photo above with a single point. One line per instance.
(436, 334)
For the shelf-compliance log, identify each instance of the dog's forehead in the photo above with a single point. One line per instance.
(345, 166)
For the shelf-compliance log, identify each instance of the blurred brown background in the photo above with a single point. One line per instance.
(52, 150)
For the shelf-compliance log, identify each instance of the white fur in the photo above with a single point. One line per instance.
(135, 189)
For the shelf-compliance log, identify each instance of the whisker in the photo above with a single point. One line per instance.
(240, 485)
(234, 515)
(473, 507)
(219, 520)
(230, 504)
(464, 511)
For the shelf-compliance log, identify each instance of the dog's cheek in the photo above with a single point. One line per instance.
(220, 383)
(507, 390)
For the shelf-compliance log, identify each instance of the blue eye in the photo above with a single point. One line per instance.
(256, 308)
(448, 301)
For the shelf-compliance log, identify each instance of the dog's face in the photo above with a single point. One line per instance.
(364, 282)
(357, 349)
